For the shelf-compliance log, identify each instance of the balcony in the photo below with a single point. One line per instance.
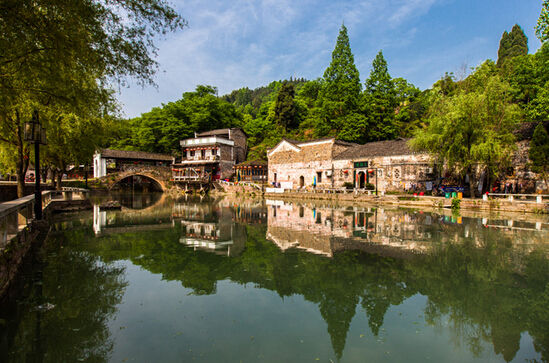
(207, 158)
(202, 141)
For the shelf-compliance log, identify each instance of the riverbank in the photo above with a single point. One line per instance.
(21, 233)
(499, 205)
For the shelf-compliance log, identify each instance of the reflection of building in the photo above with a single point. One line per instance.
(326, 230)
(397, 233)
(211, 155)
(208, 236)
(210, 227)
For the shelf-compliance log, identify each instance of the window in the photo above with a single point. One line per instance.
(319, 177)
(192, 152)
(214, 152)
(396, 173)
(361, 164)
(202, 153)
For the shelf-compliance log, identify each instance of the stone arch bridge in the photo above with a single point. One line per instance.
(160, 175)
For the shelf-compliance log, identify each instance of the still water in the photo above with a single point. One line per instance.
(271, 281)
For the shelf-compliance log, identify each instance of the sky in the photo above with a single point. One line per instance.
(232, 44)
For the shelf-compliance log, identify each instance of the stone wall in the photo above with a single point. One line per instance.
(240, 145)
(226, 169)
(400, 172)
(302, 168)
(226, 152)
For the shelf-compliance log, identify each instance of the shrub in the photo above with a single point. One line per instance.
(456, 205)
(348, 185)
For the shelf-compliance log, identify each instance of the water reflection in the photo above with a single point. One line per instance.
(326, 230)
(63, 310)
(484, 283)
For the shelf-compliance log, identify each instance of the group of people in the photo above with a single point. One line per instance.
(516, 187)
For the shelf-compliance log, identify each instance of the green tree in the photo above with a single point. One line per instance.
(12, 136)
(512, 45)
(161, 129)
(285, 108)
(340, 93)
(411, 108)
(539, 152)
(51, 49)
(542, 28)
(380, 101)
(472, 129)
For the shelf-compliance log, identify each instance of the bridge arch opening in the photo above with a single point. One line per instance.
(138, 183)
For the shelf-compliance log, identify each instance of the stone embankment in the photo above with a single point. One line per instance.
(526, 205)
(21, 232)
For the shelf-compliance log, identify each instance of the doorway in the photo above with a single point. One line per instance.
(360, 180)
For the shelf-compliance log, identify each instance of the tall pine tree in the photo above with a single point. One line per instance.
(542, 28)
(512, 45)
(285, 109)
(380, 101)
(340, 94)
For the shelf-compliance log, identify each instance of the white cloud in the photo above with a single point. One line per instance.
(239, 43)
(406, 9)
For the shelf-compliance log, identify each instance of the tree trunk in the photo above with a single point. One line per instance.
(20, 182)
(53, 175)
(471, 185)
(22, 163)
(59, 178)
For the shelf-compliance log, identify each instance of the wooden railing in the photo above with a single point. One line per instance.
(16, 215)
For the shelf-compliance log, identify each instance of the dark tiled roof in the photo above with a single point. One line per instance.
(297, 142)
(138, 155)
(253, 163)
(377, 148)
(217, 132)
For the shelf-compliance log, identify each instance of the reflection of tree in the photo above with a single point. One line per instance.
(487, 288)
(83, 294)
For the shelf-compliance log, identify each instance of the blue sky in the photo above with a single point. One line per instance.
(231, 44)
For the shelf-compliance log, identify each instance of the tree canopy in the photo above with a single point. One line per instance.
(61, 56)
(512, 44)
(474, 127)
(340, 93)
(539, 152)
(542, 27)
(161, 129)
(380, 101)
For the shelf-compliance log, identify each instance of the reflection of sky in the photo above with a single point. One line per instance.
(161, 321)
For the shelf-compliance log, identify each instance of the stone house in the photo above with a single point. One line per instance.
(331, 163)
(211, 155)
(390, 164)
(304, 164)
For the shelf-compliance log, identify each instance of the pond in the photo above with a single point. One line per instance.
(226, 280)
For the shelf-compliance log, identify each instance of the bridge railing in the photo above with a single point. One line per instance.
(523, 198)
(16, 215)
